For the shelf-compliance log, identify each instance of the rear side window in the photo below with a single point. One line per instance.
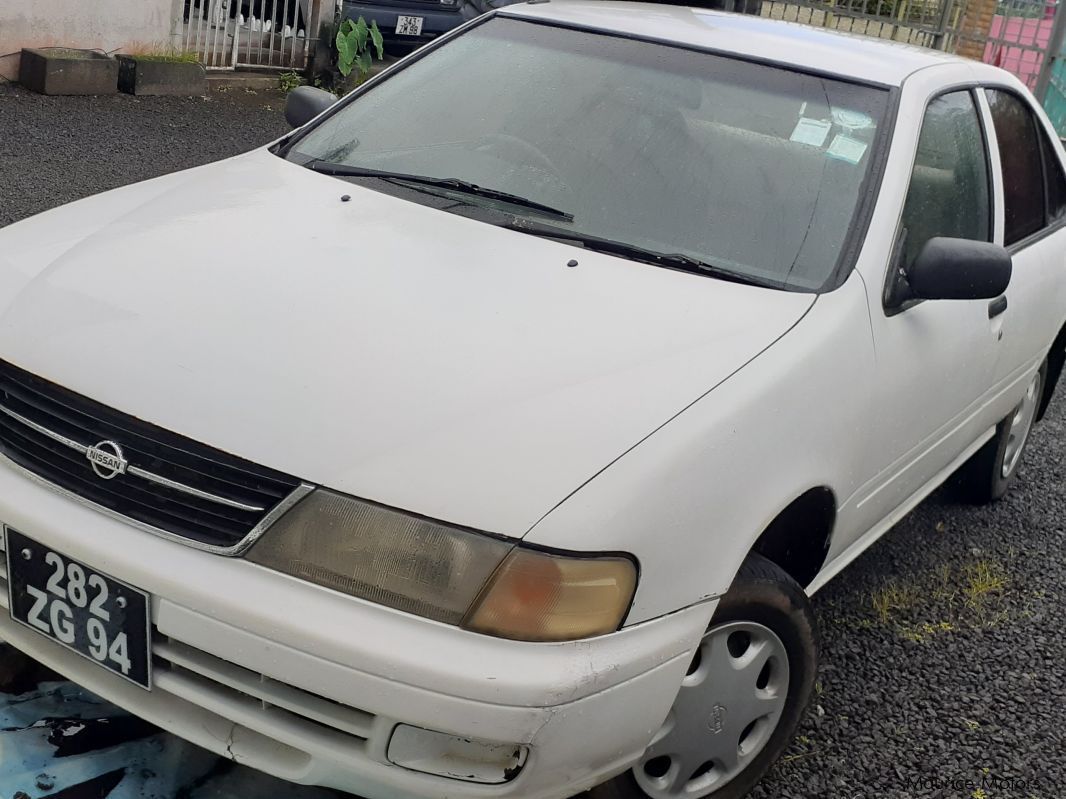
(1056, 181)
(949, 189)
(1022, 158)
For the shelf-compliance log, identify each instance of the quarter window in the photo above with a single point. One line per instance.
(1022, 155)
(948, 193)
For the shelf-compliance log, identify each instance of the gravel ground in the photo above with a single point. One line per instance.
(57, 149)
(943, 656)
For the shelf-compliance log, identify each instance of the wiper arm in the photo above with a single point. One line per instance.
(452, 184)
(686, 263)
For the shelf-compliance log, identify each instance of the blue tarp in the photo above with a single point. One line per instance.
(60, 741)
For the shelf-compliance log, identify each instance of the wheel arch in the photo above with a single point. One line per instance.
(798, 537)
(1055, 360)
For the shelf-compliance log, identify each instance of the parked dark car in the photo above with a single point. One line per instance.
(407, 24)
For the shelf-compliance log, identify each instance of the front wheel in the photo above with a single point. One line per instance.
(742, 699)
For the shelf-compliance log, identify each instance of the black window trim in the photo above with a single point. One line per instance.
(893, 269)
(1048, 227)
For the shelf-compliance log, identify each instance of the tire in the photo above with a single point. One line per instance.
(988, 475)
(762, 596)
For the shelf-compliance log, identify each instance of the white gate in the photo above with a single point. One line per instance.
(226, 34)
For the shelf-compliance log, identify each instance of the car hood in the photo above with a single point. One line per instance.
(377, 346)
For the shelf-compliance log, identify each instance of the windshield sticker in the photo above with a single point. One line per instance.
(845, 148)
(811, 131)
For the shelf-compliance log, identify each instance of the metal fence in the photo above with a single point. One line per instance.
(1019, 37)
(1025, 37)
(227, 34)
(1051, 84)
(927, 23)
(1022, 36)
(1055, 96)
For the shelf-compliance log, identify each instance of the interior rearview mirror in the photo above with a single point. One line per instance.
(305, 103)
(959, 269)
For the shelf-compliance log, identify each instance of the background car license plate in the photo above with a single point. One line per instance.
(87, 612)
(409, 26)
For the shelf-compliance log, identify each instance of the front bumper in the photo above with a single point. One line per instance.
(309, 685)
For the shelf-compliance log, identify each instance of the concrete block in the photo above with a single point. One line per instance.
(58, 70)
(154, 76)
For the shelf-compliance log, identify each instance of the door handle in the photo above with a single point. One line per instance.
(996, 307)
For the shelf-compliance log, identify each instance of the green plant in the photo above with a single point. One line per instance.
(356, 44)
(894, 598)
(983, 578)
(171, 58)
(288, 81)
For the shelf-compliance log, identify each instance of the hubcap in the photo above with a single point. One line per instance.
(728, 707)
(1021, 422)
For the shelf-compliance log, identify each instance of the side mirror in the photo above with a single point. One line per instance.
(959, 269)
(305, 103)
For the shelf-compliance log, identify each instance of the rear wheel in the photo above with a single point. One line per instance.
(742, 699)
(988, 475)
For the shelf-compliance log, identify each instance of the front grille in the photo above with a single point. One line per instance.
(167, 483)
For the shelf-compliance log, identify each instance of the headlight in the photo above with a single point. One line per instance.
(445, 573)
(382, 555)
(537, 596)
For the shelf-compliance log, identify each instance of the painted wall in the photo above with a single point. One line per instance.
(1007, 31)
(103, 24)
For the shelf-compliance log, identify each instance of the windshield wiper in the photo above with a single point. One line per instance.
(451, 184)
(669, 260)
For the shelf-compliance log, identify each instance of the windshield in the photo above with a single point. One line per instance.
(753, 168)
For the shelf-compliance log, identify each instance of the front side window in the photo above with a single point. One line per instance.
(753, 168)
(949, 188)
(1020, 156)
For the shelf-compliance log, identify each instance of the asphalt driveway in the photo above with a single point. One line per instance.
(944, 659)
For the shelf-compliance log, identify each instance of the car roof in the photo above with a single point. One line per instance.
(863, 58)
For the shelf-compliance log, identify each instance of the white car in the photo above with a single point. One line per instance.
(487, 435)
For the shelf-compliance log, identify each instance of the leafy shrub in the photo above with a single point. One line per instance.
(356, 43)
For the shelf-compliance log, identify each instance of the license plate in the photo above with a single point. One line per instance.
(409, 26)
(87, 612)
